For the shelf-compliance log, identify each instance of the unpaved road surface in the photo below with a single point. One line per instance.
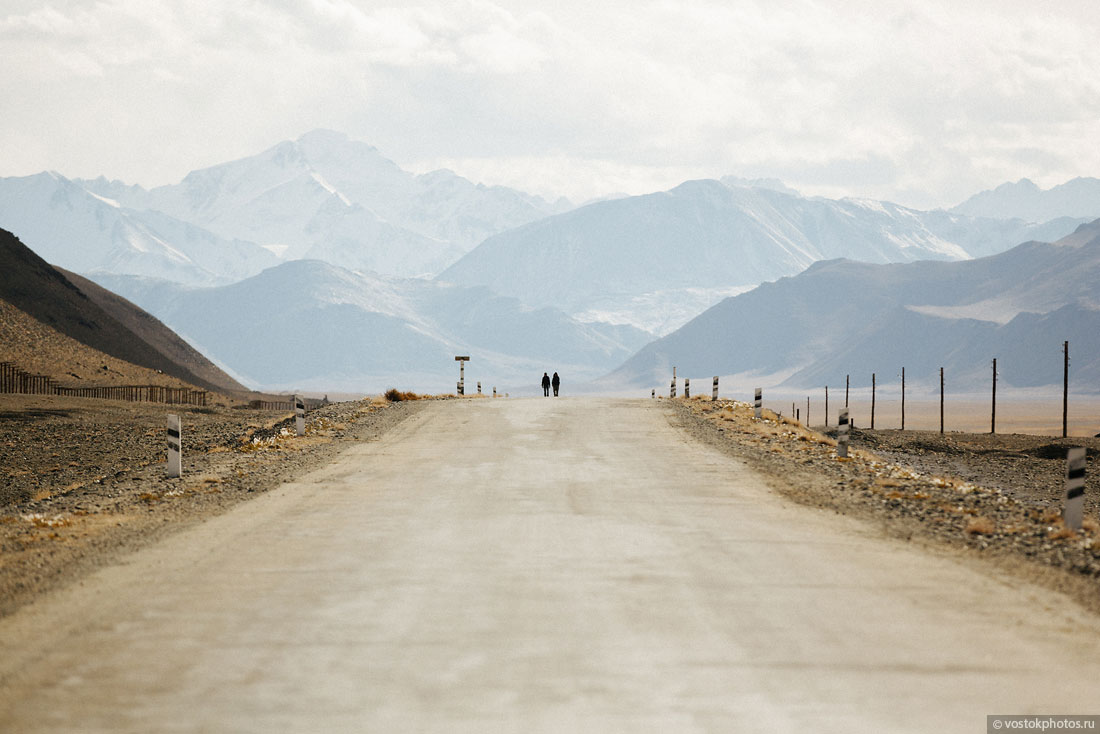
(540, 565)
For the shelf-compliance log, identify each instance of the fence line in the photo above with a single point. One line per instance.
(16, 380)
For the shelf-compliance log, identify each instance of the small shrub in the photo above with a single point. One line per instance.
(394, 395)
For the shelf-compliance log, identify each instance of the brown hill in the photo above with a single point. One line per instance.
(90, 317)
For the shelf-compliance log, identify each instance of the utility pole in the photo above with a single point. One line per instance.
(993, 419)
(872, 401)
(941, 400)
(1065, 390)
(903, 398)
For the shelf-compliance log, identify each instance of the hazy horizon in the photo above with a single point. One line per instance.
(919, 104)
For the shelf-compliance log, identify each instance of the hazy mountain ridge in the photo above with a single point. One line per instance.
(324, 195)
(83, 231)
(710, 235)
(840, 317)
(311, 324)
(1079, 198)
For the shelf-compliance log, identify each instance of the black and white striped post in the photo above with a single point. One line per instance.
(300, 415)
(1075, 488)
(175, 447)
(758, 406)
(687, 387)
(479, 387)
(653, 393)
(672, 390)
(462, 360)
(842, 435)
(714, 390)
(494, 391)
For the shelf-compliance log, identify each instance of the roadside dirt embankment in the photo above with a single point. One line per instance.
(993, 497)
(82, 481)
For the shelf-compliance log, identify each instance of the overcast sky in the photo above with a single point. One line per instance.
(923, 103)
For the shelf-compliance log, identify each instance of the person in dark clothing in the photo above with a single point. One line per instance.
(556, 382)
(545, 385)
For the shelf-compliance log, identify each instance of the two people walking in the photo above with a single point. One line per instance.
(547, 383)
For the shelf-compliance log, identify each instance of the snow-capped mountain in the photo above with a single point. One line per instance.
(1079, 197)
(308, 324)
(640, 260)
(328, 197)
(71, 227)
(840, 317)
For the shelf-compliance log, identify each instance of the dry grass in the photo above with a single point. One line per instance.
(394, 395)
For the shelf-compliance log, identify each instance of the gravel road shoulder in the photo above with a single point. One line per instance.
(989, 499)
(82, 482)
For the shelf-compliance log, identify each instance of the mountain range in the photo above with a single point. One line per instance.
(308, 324)
(1079, 198)
(324, 196)
(280, 262)
(840, 317)
(654, 261)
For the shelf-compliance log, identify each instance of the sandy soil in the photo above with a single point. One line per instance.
(82, 482)
(995, 498)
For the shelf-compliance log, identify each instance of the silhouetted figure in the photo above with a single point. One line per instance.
(556, 382)
(545, 385)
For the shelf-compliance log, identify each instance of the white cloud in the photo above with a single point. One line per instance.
(919, 102)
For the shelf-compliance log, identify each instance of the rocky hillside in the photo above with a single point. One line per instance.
(79, 333)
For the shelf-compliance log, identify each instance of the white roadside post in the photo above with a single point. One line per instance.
(687, 387)
(758, 406)
(1075, 488)
(653, 393)
(672, 390)
(300, 415)
(462, 360)
(479, 387)
(175, 447)
(842, 435)
(494, 391)
(714, 390)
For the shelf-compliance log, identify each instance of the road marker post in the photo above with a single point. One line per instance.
(687, 387)
(758, 405)
(462, 360)
(1075, 488)
(300, 415)
(714, 390)
(672, 390)
(842, 435)
(479, 387)
(175, 447)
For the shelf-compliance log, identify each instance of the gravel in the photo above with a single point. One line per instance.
(995, 499)
(82, 482)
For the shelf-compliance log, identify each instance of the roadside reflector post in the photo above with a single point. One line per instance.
(462, 360)
(672, 389)
(842, 435)
(714, 390)
(687, 387)
(300, 415)
(175, 447)
(494, 391)
(479, 387)
(653, 393)
(1075, 488)
(758, 404)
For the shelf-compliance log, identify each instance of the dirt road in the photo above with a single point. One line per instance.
(539, 565)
